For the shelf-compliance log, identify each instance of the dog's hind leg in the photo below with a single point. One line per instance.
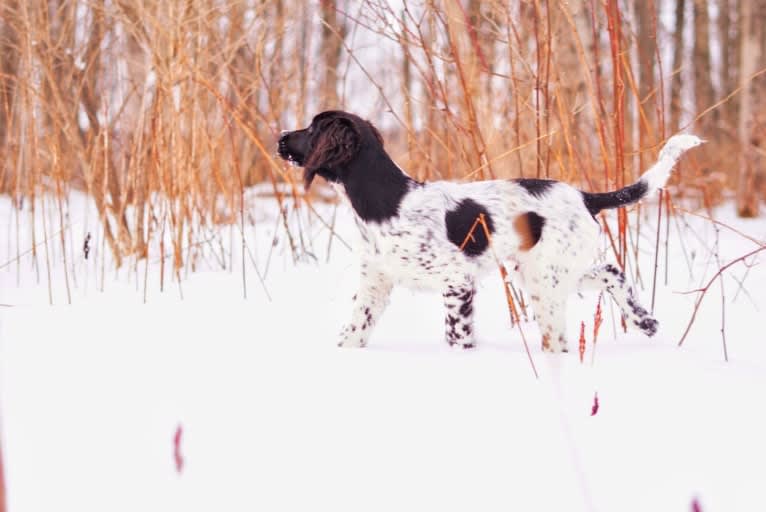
(550, 313)
(611, 279)
(369, 302)
(458, 300)
(548, 285)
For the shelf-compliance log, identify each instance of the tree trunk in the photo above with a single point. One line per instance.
(747, 199)
(647, 46)
(333, 34)
(678, 54)
(303, 58)
(729, 76)
(570, 78)
(407, 99)
(704, 96)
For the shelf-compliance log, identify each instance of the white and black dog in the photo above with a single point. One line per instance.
(414, 232)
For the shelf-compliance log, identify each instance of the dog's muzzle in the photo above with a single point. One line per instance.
(282, 146)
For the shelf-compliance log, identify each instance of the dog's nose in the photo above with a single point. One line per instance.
(282, 144)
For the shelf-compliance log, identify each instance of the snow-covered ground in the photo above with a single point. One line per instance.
(99, 398)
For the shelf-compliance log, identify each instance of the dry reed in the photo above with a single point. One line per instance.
(165, 112)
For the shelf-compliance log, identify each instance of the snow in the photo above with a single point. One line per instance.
(275, 417)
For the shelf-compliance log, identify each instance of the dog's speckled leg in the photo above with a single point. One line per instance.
(458, 299)
(368, 304)
(550, 312)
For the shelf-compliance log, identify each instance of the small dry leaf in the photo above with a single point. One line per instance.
(597, 320)
(177, 457)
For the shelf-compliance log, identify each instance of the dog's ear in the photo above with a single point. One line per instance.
(336, 143)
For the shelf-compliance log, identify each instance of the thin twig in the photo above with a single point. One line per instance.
(702, 291)
(656, 249)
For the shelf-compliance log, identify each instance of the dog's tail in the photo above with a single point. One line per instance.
(653, 179)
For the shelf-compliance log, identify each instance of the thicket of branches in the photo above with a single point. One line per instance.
(163, 111)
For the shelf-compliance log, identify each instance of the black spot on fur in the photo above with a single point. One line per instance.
(616, 272)
(536, 188)
(625, 196)
(536, 223)
(636, 307)
(459, 223)
(533, 229)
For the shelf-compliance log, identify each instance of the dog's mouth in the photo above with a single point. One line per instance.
(295, 160)
(291, 159)
(285, 153)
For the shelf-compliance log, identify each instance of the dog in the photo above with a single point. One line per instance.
(420, 234)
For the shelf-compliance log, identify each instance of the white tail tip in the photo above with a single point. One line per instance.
(671, 152)
(677, 144)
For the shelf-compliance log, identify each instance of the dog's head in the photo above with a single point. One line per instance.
(328, 144)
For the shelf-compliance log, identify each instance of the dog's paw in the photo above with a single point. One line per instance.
(648, 325)
(351, 338)
(554, 348)
(464, 344)
(351, 344)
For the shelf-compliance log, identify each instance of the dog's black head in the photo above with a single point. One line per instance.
(328, 144)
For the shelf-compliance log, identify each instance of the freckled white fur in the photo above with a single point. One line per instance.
(412, 249)
(391, 252)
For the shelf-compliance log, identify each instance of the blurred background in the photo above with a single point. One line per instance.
(165, 111)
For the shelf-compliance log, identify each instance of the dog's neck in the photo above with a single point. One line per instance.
(375, 185)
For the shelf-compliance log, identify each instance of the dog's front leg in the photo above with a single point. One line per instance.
(458, 299)
(368, 304)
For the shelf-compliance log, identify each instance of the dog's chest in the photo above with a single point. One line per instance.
(410, 254)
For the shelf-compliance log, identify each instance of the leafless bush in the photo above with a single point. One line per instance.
(165, 111)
